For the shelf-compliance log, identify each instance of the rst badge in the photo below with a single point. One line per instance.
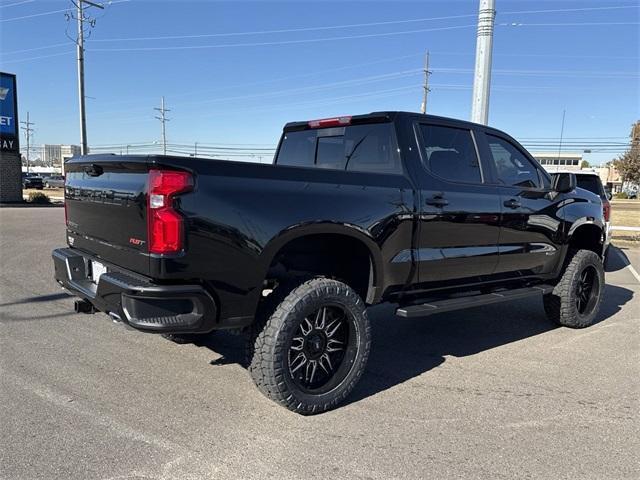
(136, 241)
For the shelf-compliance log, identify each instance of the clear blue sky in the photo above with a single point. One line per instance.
(242, 88)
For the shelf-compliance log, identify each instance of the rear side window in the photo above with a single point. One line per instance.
(359, 148)
(297, 149)
(513, 168)
(591, 183)
(450, 153)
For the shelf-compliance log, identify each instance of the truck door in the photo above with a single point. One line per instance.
(459, 209)
(530, 229)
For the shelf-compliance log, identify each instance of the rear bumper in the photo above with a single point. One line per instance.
(134, 299)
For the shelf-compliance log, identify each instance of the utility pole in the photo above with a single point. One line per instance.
(195, 150)
(427, 72)
(79, 41)
(482, 76)
(163, 119)
(27, 133)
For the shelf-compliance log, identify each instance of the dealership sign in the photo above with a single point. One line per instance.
(8, 113)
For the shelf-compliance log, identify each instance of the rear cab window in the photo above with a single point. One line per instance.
(591, 183)
(450, 153)
(368, 148)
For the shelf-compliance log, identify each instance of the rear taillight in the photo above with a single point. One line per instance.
(606, 210)
(165, 225)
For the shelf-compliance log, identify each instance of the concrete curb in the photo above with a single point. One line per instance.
(626, 229)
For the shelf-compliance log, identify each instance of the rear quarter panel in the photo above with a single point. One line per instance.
(240, 214)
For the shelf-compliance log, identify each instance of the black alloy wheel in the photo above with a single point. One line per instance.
(319, 347)
(587, 290)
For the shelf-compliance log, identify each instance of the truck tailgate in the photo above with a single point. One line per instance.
(106, 208)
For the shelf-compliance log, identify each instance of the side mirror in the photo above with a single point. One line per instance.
(564, 182)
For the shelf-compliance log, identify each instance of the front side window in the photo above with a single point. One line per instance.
(450, 153)
(512, 167)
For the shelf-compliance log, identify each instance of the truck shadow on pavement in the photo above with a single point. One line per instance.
(616, 260)
(406, 348)
(38, 299)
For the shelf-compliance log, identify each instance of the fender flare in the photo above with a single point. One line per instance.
(582, 221)
(277, 243)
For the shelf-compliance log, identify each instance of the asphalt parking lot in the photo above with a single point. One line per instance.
(496, 392)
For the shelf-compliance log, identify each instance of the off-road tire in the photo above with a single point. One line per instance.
(279, 317)
(561, 305)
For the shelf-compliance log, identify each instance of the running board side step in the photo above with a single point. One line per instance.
(471, 301)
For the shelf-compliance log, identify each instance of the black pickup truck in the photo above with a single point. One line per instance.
(429, 213)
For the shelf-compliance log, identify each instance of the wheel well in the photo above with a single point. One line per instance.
(331, 255)
(587, 237)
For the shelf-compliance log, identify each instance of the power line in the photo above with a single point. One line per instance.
(17, 3)
(52, 12)
(20, 60)
(326, 39)
(337, 27)
(576, 24)
(33, 15)
(46, 47)
(283, 42)
(288, 30)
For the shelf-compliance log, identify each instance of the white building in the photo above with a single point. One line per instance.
(57, 154)
(551, 161)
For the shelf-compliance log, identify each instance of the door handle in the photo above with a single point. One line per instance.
(437, 200)
(512, 203)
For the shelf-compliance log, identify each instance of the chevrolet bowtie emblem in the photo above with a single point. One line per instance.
(3, 93)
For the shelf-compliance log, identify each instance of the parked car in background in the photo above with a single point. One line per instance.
(32, 180)
(54, 181)
(590, 181)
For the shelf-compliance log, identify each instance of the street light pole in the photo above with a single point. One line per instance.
(482, 76)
